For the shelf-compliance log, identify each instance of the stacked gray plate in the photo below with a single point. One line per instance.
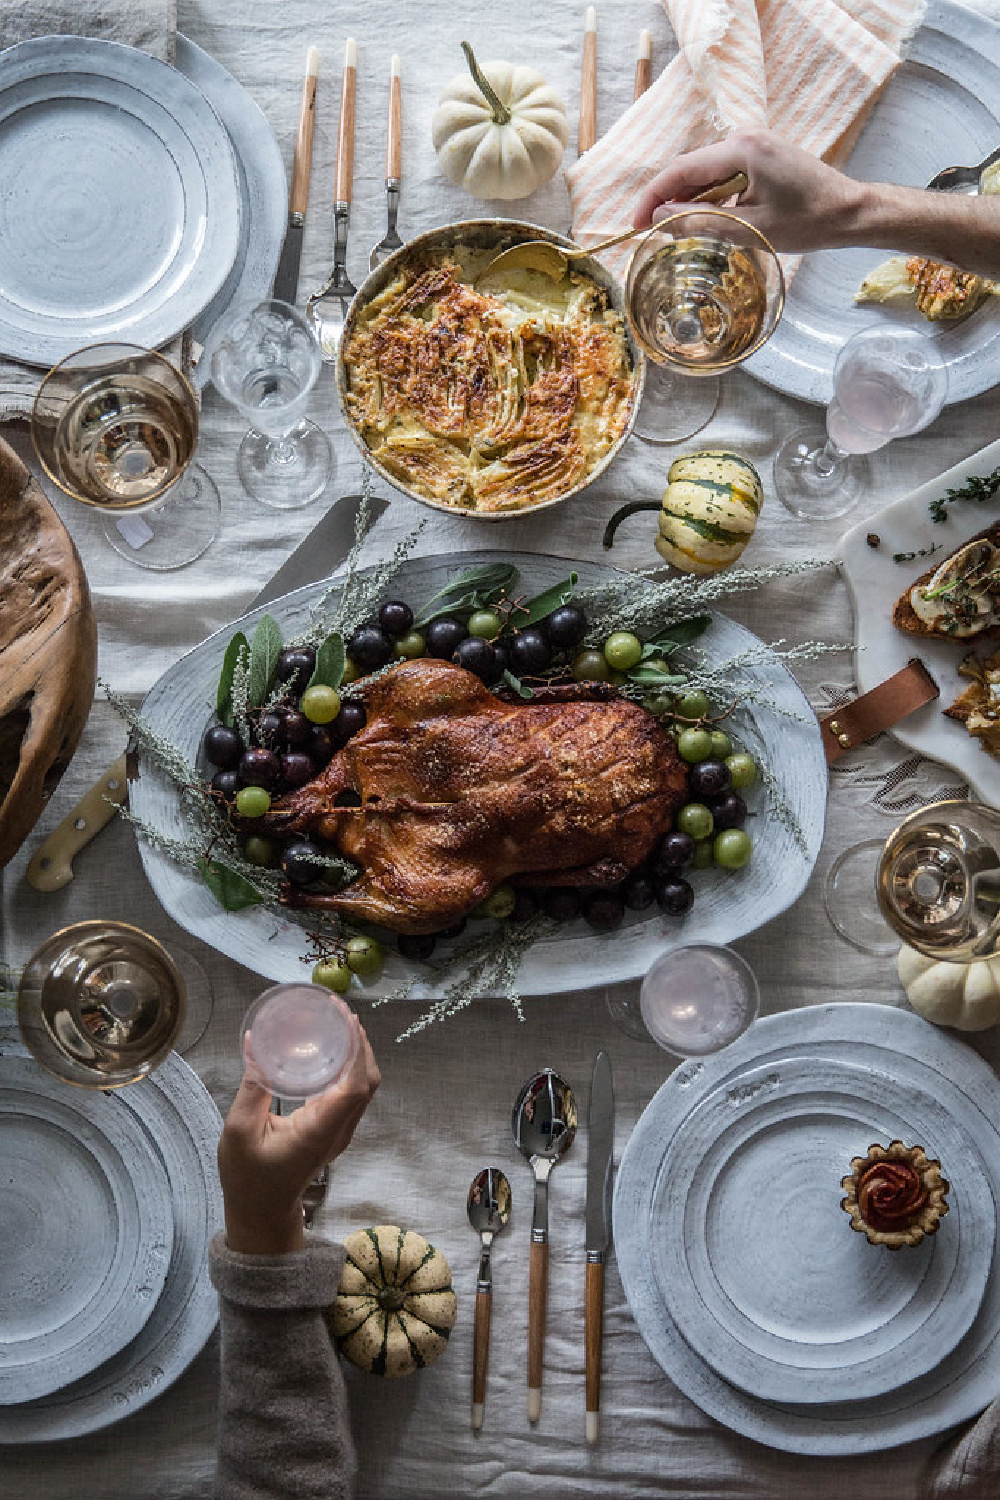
(741, 1268)
(107, 1205)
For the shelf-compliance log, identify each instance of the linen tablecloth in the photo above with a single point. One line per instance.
(444, 1107)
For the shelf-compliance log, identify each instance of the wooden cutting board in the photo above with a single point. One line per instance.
(48, 651)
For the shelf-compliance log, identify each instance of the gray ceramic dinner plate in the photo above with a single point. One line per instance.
(756, 1259)
(86, 1230)
(778, 726)
(263, 190)
(940, 109)
(912, 1052)
(120, 214)
(173, 1112)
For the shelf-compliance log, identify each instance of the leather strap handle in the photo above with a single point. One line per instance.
(853, 723)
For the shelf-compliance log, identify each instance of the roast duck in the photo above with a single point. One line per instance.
(460, 790)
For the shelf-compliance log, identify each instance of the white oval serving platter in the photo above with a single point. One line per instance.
(785, 736)
(755, 1257)
(909, 1049)
(120, 215)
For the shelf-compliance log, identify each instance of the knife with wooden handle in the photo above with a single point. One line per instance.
(600, 1150)
(643, 65)
(286, 278)
(587, 133)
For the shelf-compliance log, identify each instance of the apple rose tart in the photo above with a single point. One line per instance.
(895, 1195)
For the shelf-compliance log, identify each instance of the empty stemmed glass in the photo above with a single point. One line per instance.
(266, 361)
(888, 382)
(116, 426)
(704, 291)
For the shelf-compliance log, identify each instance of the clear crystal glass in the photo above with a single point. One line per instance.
(298, 1039)
(698, 998)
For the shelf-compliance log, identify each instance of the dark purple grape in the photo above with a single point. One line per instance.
(639, 891)
(442, 636)
(604, 911)
(295, 666)
(271, 729)
(222, 746)
(674, 896)
(321, 744)
(530, 652)
(478, 656)
(226, 782)
(503, 655)
(395, 617)
(297, 768)
(565, 626)
(561, 903)
(299, 861)
(729, 811)
(351, 718)
(298, 730)
(525, 904)
(455, 930)
(370, 648)
(709, 778)
(418, 945)
(674, 851)
(259, 768)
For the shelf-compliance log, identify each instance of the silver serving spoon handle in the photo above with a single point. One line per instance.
(963, 179)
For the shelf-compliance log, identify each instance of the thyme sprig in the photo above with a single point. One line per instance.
(978, 487)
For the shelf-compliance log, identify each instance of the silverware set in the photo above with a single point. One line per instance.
(543, 1124)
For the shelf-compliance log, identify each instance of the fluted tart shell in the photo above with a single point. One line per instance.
(895, 1195)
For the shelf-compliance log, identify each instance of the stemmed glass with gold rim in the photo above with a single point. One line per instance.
(704, 291)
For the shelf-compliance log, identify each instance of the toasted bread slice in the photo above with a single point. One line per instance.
(904, 617)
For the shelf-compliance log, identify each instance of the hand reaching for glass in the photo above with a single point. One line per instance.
(266, 1161)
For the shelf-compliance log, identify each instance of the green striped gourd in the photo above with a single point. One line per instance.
(709, 510)
(395, 1308)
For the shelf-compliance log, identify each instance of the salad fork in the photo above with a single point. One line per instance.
(327, 308)
(393, 164)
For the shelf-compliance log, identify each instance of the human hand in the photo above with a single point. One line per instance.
(266, 1161)
(794, 199)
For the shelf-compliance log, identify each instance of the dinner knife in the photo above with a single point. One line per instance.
(286, 278)
(319, 555)
(600, 1150)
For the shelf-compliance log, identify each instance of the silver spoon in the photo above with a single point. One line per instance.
(391, 241)
(962, 179)
(489, 1212)
(544, 1124)
(327, 308)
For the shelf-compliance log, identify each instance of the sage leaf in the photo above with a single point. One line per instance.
(552, 599)
(656, 672)
(508, 680)
(228, 888)
(265, 649)
(223, 703)
(330, 658)
(682, 633)
(476, 588)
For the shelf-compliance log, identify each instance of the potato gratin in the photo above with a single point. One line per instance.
(493, 398)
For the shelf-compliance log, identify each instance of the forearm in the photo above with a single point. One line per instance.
(951, 227)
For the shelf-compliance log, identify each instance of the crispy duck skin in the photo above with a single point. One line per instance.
(461, 791)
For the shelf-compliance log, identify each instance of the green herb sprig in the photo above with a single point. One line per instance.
(978, 487)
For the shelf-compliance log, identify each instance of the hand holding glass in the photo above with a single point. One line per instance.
(298, 1039)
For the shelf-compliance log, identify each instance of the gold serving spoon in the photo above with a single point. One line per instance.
(552, 260)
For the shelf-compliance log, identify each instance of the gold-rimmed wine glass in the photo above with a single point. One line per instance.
(116, 426)
(704, 291)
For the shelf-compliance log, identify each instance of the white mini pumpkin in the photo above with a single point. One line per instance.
(966, 996)
(708, 512)
(501, 132)
(395, 1307)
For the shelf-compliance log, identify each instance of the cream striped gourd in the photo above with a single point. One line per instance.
(709, 510)
(395, 1308)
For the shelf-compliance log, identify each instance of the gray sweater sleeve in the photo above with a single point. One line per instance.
(283, 1422)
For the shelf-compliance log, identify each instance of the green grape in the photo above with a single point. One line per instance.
(658, 704)
(485, 623)
(732, 848)
(256, 850)
(703, 856)
(722, 745)
(743, 769)
(590, 666)
(696, 819)
(694, 745)
(622, 650)
(364, 957)
(320, 704)
(332, 974)
(252, 802)
(411, 645)
(499, 904)
(351, 673)
(693, 705)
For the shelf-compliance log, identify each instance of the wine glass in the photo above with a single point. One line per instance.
(938, 881)
(847, 897)
(698, 998)
(298, 1039)
(100, 1004)
(116, 426)
(887, 383)
(265, 362)
(704, 291)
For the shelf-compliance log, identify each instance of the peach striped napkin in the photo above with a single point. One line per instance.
(808, 69)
